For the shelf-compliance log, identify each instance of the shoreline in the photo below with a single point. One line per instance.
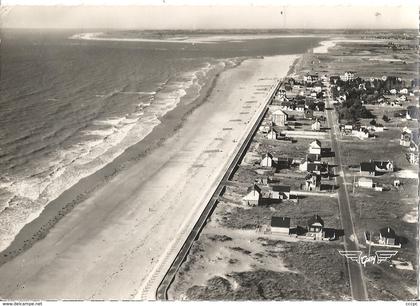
(209, 39)
(56, 209)
(60, 235)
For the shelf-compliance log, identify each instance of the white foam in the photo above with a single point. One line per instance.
(110, 138)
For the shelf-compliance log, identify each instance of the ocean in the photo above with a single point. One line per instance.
(68, 107)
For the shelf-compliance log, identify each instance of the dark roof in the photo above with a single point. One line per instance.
(387, 232)
(254, 187)
(316, 167)
(315, 219)
(310, 175)
(280, 222)
(381, 164)
(280, 188)
(367, 166)
(268, 154)
(312, 157)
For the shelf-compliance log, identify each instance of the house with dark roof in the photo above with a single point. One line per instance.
(313, 182)
(267, 160)
(367, 169)
(376, 167)
(280, 225)
(253, 196)
(279, 192)
(387, 236)
(315, 227)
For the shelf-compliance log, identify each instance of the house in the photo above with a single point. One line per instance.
(281, 95)
(312, 182)
(405, 139)
(348, 76)
(308, 113)
(393, 91)
(413, 158)
(365, 182)
(403, 91)
(315, 227)
(367, 169)
(310, 78)
(315, 147)
(316, 126)
(361, 133)
(373, 168)
(300, 107)
(283, 163)
(412, 112)
(401, 98)
(287, 105)
(253, 196)
(384, 166)
(272, 134)
(279, 192)
(267, 160)
(280, 225)
(334, 79)
(387, 236)
(279, 118)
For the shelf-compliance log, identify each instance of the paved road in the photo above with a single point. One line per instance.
(358, 287)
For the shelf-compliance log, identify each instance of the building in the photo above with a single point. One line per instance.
(387, 236)
(283, 163)
(361, 133)
(313, 182)
(279, 118)
(310, 78)
(272, 134)
(253, 196)
(412, 113)
(314, 167)
(367, 169)
(280, 225)
(281, 192)
(315, 147)
(405, 139)
(348, 76)
(308, 113)
(267, 160)
(315, 227)
(374, 167)
(365, 182)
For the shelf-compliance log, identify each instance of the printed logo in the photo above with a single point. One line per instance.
(379, 256)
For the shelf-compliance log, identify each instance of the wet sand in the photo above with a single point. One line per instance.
(107, 245)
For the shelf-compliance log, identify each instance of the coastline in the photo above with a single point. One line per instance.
(56, 209)
(133, 158)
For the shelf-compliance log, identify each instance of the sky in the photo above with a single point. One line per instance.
(172, 14)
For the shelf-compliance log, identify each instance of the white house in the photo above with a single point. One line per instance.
(267, 161)
(404, 91)
(387, 236)
(253, 197)
(272, 135)
(279, 118)
(365, 182)
(316, 126)
(393, 91)
(315, 147)
(280, 225)
(348, 76)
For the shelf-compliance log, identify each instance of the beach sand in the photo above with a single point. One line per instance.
(108, 244)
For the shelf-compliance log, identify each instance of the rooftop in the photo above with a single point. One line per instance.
(280, 222)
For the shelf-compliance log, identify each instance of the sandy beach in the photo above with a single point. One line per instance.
(107, 245)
